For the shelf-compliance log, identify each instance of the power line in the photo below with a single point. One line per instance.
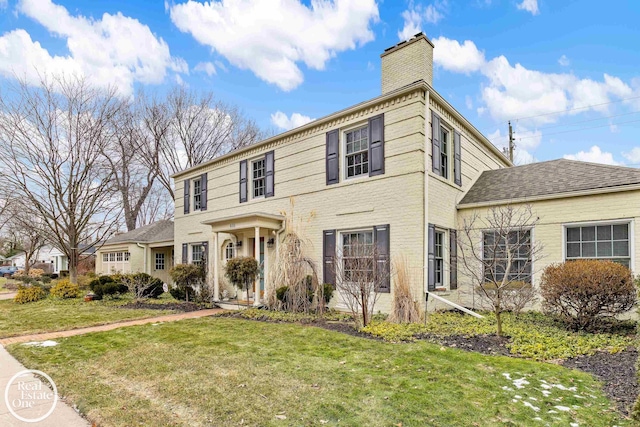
(581, 129)
(578, 108)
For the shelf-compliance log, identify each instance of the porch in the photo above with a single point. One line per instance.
(255, 235)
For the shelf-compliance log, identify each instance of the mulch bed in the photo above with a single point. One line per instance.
(178, 306)
(616, 371)
(486, 344)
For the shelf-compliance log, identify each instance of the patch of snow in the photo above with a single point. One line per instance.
(532, 398)
(546, 393)
(517, 396)
(47, 343)
(574, 425)
(520, 383)
(537, 419)
(577, 396)
(546, 386)
(551, 411)
(507, 375)
(562, 408)
(561, 387)
(505, 388)
(529, 405)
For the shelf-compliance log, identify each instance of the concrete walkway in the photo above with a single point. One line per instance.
(111, 326)
(63, 415)
(7, 295)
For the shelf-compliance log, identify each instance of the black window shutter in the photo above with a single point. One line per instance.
(203, 194)
(333, 157)
(376, 145)
(187, 194)
(185, 253)
(269, 163)
(453, 259)
(435, 143)
(431, 286)
(457, 149)
(205, 255)
(243, 181)
(328, 257)
(383, 264)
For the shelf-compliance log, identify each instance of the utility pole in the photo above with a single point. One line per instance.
(512, 145)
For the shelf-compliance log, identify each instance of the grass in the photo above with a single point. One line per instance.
(50, 315)
(532, 334)
(226, 371)
(3, 281)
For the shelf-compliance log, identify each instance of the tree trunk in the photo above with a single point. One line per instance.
(365, 310)
(499, 321)
(73, 265)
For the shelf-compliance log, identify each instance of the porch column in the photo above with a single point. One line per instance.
(265, 266)
(216, 261)
(256, 244)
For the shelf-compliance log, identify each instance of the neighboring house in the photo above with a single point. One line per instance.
(19, 260)
(402, 171)
(148, 249)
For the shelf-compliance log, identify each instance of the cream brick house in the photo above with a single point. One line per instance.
(401, 171)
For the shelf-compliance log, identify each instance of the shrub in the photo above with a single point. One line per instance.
(45, 279)
(404, 307)
(188, 280)
(29, 294)
(64, 273)
(53, 276)
(107, 285)
(143, 285)
(242, 271)
(65, 289)
(282, 293)
(584, 292)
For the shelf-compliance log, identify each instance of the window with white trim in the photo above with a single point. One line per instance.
(229, 251)
(356, 246)
(105, 257)
(126, 256)
(602, 241)
(357, 152)
(160, 261)
(496, 260)
(445, 142)
(113, 262)
(197, 194)
(197, 252)
(439, 258)
(119, 256)
(258, 171)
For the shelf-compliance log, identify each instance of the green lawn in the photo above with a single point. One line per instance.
(51, 315)
(226, 371)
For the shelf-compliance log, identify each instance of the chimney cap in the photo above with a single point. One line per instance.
(415, 38)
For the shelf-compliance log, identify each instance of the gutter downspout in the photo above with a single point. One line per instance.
(425, 204)
(145, 256)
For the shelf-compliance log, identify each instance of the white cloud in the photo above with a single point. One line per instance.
(432, 15)
(417, 13)
(281, 120)
(459, 58)
(100, 49)
(633, 156)
(564, 61)
(205, 67)
(594, 155)
(221, 65)
(530, 6)
(272, 37)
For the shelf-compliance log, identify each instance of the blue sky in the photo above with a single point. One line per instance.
(572, 64)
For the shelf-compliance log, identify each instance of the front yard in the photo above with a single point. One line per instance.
(229, 371)
(50, 315)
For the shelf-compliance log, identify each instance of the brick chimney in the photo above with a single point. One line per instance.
(407, 62)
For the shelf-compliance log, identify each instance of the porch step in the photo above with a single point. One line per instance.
(235, 305)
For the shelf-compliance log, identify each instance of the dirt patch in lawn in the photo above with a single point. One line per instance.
(616, 371)
(486, 344)
(178, 306)
(345, 328)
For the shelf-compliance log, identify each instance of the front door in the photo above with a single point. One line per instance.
(253, 254)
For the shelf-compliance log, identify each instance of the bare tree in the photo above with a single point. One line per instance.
(53, 138)
(188, 129)
(497, 255)
(360, 274)
(133, 177)
(157, 206)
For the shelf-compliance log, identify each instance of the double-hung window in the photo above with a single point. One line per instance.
(159, 261)
(197, 252)
(507, 254)
(439, 258)
(444, 152)
(258, 173)
(357, 152)
(357, 255)
(197, 194)
(601, 241)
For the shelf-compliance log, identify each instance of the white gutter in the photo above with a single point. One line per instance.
(145, 255)
(425, 204)
(453, 304)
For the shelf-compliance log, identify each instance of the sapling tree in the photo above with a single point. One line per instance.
(242, 272)
(497, 255)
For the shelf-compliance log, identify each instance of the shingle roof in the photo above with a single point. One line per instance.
(159, 231)
(547, 178)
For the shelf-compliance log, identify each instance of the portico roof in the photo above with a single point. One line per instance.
(232, 223)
